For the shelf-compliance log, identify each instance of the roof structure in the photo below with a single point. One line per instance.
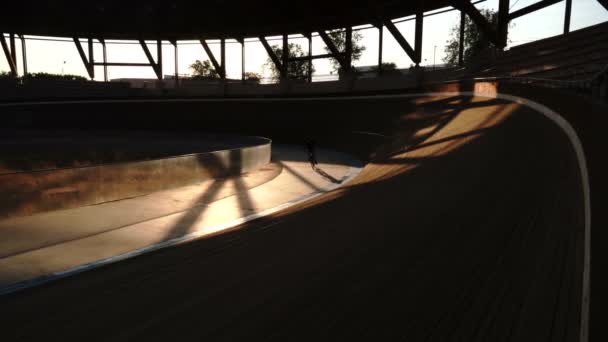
(174, 20)
(188, 19)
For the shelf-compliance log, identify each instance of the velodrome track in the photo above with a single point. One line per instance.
(468, 223)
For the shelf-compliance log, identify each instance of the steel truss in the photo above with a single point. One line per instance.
(221, 66)
(90, 63)
(496, 34)
(10, 52)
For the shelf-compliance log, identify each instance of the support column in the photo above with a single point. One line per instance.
(503, 24)
(105, 59)
(223, 58)
(461, 39)
(285, 57)
(159, 58)
(309, 36)
(175, 64)
(91, 59)
(380, 46)
(348, 45)
(418, 41)
(243, 59)
(24, 54)
(567, 16)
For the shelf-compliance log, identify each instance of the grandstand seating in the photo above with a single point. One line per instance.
(578, 55)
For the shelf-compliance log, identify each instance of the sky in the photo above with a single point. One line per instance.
(62, 57)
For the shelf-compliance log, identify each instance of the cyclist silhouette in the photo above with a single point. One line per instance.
(312, 157)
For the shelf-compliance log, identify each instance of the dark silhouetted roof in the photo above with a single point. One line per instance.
(187, 19)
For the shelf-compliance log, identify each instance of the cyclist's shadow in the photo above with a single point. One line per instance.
(312, 159)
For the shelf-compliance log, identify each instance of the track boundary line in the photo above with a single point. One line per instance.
(582, 162)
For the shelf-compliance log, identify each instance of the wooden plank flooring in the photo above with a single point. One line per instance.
(466, 225)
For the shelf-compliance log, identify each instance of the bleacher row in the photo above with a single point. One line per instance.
(578, 55)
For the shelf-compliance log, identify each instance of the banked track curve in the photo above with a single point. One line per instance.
(415, 259)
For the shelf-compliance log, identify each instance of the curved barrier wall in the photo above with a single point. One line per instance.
(25, 193)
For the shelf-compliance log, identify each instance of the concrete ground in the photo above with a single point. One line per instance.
(43, 247)
(466, 224)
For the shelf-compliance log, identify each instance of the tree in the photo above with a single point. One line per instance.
(43, 76)
(55, 77)
(203, 70)
(386, 66)
(338, 37)
(253, 77)
(478, 50)
(297, 70)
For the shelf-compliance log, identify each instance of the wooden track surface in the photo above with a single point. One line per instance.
(466, 225)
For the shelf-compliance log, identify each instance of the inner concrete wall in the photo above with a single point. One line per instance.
(25, 193)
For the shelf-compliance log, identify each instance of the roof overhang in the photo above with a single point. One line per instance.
(187, 19)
